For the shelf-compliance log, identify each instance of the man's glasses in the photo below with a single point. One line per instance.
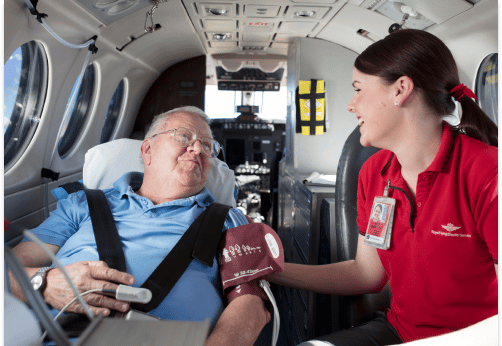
(185, 137)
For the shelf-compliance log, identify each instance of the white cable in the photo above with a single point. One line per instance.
(277, 321)
(67, 305)
(63, 270)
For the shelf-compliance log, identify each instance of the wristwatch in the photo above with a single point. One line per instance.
(38, 279)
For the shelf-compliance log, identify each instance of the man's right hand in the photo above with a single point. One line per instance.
(86, 276)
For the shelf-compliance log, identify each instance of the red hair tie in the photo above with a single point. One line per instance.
(461, 90)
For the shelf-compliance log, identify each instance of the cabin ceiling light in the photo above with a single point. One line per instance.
(217, 11)
(408, 10)
(221, 37)
(305, 14)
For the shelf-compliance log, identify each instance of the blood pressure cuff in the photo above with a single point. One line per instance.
(246, 254)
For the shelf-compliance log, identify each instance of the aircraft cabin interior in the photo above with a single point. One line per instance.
(83, 74)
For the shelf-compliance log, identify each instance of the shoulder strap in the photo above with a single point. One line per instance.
(106, 234)
(203, 237)
(72, 187)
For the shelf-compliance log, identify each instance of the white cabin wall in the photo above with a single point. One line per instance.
(318, 59)
(23, 189)
(471, 36)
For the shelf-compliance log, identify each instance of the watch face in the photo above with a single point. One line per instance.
(37, 281)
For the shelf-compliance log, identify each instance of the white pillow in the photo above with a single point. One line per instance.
(107, 162)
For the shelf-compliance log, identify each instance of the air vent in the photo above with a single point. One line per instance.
(263, 11)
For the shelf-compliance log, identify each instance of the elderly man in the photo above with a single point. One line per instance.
(151, 211)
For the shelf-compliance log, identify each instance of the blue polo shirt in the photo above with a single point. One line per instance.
(148, 233)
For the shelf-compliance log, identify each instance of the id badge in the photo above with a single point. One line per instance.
(379, 230)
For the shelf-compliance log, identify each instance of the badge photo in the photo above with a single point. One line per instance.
(379, 230)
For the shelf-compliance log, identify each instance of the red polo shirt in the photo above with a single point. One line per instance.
(444, 241)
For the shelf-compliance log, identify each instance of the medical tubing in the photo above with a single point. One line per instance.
(67, 44)
(63, 270)
(35, 300)
(277, 321)
(56, 36)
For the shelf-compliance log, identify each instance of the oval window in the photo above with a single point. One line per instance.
(487, 86)
(113, 112)
(25, 89)
(78, 110)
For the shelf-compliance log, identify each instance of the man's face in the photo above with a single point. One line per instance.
(166, 159)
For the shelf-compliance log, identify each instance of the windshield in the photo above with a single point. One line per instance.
(222, 103)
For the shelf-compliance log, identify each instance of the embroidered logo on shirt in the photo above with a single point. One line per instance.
(450, 228)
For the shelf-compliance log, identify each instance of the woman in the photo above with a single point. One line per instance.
(442, 259)
(376, 225)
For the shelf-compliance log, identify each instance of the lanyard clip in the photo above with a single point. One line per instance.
(386, 191)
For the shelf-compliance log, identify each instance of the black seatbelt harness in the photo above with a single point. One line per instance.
(106, 234)
(199, 242)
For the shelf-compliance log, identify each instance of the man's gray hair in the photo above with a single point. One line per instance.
(160, 120)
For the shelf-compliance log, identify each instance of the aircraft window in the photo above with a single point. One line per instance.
(79, 110)
(487, 86)
(25, 88)
(221, 103)
(113, 112)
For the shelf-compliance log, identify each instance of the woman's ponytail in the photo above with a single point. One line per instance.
(476, 124)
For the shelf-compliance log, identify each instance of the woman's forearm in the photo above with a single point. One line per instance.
(344, 278)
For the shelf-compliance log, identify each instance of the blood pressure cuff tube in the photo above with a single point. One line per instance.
(246, 254)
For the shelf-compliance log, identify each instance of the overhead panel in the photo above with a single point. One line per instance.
(261, 11)
(249, 79)
(216, 10)
(249, 36)
(223, 44)
(221, 36)
(307, 12)
(259, 27)
(298, 28)
(220, 25)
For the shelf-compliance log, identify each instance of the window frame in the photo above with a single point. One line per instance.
(84, 107)
(480, 86)
(120, 113)
(14, 149)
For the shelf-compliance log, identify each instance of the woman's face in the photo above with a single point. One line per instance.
(376, 214)
(373, 105)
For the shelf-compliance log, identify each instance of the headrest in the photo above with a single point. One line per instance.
(107, 162)
(351, 160)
